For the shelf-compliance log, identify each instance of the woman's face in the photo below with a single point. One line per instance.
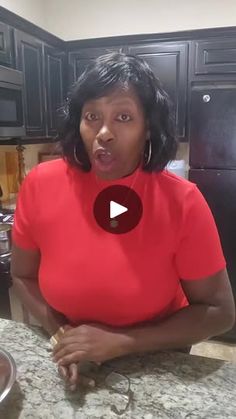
(114, 130)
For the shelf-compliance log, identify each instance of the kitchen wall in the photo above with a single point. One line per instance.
(81, 19)
(32, 10)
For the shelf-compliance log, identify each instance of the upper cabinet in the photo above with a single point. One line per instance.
(6, 50)
(55, 76)
(169, 63)
(44, 72)
(79, 60)
(213, 57)
(29, 59)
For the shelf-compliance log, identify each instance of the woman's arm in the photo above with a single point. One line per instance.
(24, 272)
(211, 312)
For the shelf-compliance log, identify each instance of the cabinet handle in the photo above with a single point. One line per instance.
(206, 98)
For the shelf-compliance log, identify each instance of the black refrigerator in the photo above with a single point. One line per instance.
(212, 135)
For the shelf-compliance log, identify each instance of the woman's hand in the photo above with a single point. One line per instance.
(93, 343)
(70, 373)
(72, 377)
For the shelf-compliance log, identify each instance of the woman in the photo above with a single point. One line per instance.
(163, 285)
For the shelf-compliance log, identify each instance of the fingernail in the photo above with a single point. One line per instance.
(91, 383)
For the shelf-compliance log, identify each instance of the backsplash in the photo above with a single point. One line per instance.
(183, 153)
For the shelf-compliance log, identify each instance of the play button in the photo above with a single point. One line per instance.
(118, 209)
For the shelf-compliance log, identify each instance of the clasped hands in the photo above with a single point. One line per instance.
(91, 342)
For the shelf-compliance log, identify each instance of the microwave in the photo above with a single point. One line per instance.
(11, 103)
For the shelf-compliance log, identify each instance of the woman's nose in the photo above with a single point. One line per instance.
(105, 134)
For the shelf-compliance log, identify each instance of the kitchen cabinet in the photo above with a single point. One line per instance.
(44, 73)
(169, 62)
(80, 60)
(6, 49)
(55, 76)
(217, 56)
(29, 59)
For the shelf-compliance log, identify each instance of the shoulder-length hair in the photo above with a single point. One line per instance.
(106, 73)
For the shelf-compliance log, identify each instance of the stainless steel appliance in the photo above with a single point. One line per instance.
(11, 103)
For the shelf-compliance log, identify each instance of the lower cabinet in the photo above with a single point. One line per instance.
(18, 312)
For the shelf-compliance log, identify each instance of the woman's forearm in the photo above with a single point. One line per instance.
(190, 325)
(29, 293)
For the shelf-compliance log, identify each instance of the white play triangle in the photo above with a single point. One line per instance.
(116, 209)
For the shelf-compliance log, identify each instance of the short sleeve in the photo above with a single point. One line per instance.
(23, 231)
(199, 253)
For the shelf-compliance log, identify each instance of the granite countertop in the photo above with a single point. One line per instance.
(163, 385)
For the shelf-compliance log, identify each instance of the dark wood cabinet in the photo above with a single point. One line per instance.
(29, 59)
(213, 57)
(79, 60)
(55, 77)
(6, 47)
(169, 63)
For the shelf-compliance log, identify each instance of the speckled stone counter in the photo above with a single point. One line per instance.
(163, 385)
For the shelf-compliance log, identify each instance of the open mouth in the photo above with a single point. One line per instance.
(104, 159)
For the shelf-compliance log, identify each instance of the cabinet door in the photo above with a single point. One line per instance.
(29, 59)
(55, 73)
(215, 57)
(213, 125)
(6, 47)
(169, 63)
(79, 60)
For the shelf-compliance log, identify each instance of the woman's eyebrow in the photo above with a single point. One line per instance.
(113, 102)
(122, 102)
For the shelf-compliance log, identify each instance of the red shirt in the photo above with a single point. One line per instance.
(91, 275)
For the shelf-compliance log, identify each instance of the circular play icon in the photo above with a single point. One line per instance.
(118, 209)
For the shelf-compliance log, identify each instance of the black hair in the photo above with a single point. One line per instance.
(103, 75)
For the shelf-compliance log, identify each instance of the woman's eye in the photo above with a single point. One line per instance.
(124, 117)
(91, 116)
